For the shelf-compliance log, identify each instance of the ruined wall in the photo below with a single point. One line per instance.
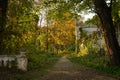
(20, 60)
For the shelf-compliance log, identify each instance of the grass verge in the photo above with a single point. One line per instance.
(95, 61)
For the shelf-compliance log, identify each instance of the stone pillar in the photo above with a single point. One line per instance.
(22, 63)
(5, 61)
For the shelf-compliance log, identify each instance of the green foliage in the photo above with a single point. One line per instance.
(89, 59)
(71, 48)
(20, 27)
(116, 10)
(88, 43)
(41, 60)
(97, 61)
(58, 35)
(61, 6)
(95, 20)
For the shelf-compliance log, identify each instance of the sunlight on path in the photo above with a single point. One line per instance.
(66, 70)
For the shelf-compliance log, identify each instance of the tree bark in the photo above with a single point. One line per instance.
(3, 13)
(104, 13)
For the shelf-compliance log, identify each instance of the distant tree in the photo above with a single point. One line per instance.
(60, 35)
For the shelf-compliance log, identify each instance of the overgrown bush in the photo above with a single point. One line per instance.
(41, 60)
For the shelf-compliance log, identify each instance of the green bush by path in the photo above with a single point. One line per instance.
(95, 61)
(40, 61)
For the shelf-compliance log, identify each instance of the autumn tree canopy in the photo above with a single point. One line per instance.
(17, 20)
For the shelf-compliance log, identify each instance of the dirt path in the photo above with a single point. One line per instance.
(66, 70)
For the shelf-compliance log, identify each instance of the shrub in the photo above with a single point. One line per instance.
(42, 60)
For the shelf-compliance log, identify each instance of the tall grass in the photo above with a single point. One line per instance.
(96, 61)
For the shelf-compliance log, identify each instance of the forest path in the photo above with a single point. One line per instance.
(66, 70)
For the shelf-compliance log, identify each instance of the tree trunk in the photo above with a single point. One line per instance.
(3, 12)
(104, 13)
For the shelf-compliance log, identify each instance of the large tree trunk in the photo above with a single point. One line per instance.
(3, 11)
(104, 13)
